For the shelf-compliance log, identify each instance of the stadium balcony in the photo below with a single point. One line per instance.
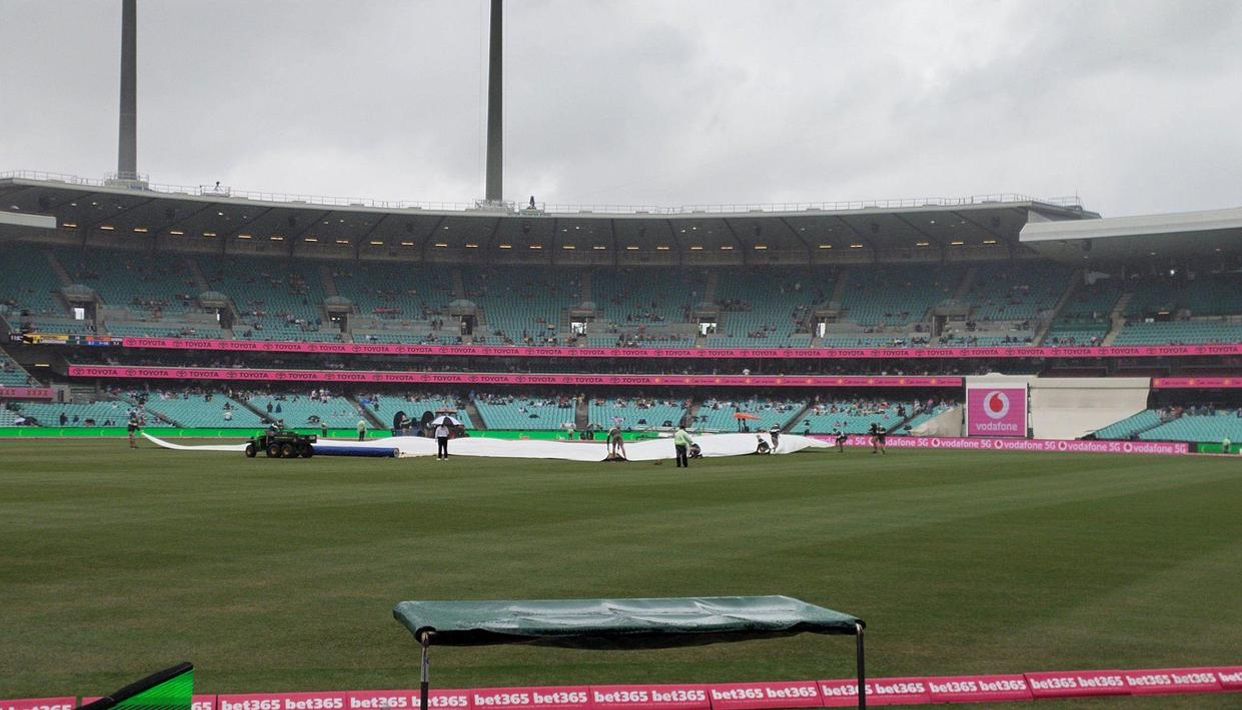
(636, 413)
(1016, 292)
(143, 284)
(897, 295)
(28, 282)
(504, 411)
(279, 298)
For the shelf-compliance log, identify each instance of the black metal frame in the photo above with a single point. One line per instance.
(424, 685)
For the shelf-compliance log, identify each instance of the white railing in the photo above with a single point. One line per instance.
(227, 192)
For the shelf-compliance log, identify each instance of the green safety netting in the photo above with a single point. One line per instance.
(619, 623)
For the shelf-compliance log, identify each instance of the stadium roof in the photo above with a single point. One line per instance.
(1183, 234)
(105, 212)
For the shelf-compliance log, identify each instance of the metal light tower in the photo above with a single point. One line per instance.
(127, 145)
(495, 108)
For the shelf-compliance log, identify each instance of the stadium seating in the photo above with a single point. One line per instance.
(400, 293)
(897, 295)
(525, 413)
(1130, 426)
(1016, 291)
(147, 284)
(8, 417)
(414, 405)
(194, 410)
(1201, 428)
(524, 304)
(27, 281)
(720, 414)
(1180, 333)
(12, 374)
(851, 417)
(1204, 295)
(279, 299)
(636, 414)
(302, 410)
(94, 414)
(632, 297)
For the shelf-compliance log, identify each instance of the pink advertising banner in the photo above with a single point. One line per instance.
(1196, 383)
(650, 697)
(331, 700)
(766, 696)
(65, 703)
(439, 699)
(681, 353)
(1064, 446)
(1177, 681)
(45, 393)
(880, 691)
(465, 378)
(1076, 684)
(552, 698)
(979, 689)
(996, 411)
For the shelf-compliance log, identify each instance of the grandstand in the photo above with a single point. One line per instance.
(636, 413)
(516, 412)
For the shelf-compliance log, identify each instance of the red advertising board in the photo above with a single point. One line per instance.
(979, 689)
(552, 698)
(1196, 383)
(996, 411)
(759, 696)
(684, 353)
(385, 377)
(650, 697)
(1076, 684)
(332, 700)
(60, 703)
(1172, 680)
(440, 699)
(39, 393)
(880, 691)
(1230, 678)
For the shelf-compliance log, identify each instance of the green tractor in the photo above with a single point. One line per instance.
(282, 444)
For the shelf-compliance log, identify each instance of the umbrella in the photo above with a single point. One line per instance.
(445, 419)
(743, 416)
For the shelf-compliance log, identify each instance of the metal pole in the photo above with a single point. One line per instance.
(862, 668)
(425, 641)
(495, 107)
(127, 144)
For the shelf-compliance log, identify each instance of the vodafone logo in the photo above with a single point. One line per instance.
(996, 405)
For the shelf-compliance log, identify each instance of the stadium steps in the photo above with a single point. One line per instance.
(968, 280)
(838, 289)
(329, 283)
(709, 291)
(264, 416)
(459, 284)
(586, 286)
(1042, 329)
(801, 415)
(582, 414)
(200, 281)
(83, 393)
(57, 268)
(475, 415)
(373, 420)
(1118, 318)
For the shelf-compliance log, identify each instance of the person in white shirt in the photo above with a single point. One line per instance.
(442, 437)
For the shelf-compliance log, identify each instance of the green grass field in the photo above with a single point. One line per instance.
(281, 575)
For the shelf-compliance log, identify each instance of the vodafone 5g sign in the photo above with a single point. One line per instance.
(996, 411)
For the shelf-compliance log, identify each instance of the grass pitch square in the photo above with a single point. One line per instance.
(281, 575)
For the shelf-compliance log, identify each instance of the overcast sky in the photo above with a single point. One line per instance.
(1136, 106)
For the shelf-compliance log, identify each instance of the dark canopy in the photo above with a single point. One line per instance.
(619, 623)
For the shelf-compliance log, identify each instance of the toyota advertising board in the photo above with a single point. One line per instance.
(996, 411)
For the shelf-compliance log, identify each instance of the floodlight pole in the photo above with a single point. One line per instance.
(127, 144)
(424, 640)
(495, 107)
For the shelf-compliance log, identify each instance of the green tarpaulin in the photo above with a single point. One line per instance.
(619, 623)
